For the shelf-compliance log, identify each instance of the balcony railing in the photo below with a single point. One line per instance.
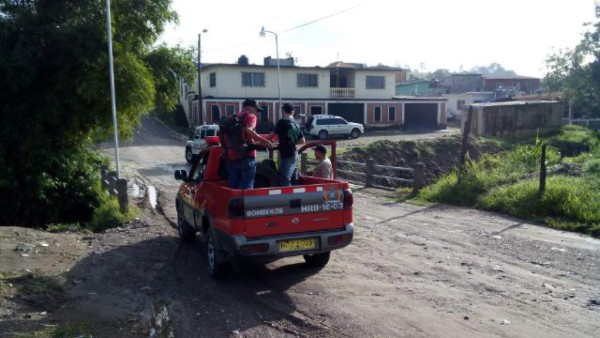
(341, 93)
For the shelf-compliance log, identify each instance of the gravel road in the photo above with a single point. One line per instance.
(411, 271)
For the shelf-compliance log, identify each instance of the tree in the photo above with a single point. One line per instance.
(56, 97)
(493, 69)
(576, 72)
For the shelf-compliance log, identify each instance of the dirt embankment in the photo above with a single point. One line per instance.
(440, 155)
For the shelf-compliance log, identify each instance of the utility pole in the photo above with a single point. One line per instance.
(200, 105)
(112, 86)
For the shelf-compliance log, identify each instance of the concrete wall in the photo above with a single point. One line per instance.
(521, 118)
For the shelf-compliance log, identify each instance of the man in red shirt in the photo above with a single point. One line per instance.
(241, 171)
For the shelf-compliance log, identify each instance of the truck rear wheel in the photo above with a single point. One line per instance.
(187, 234)
(317, 260)
(216, 269)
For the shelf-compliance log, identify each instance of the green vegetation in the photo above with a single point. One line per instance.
(576, 72)
(108, 215)
(82, 330)
(56, 100)
(508, 182)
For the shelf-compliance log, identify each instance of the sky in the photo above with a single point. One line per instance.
(422, 35)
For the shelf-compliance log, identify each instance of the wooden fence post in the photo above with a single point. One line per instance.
(122, 195)
(104, 176)
(465, 140)
(542, 188)
(418, 177)
(112, 183)
(303, 163)
(369, 173)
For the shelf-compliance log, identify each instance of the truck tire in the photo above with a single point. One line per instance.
(317, 260)
(355, 133)
(187, 234)
(188, 154)
(323, 135)
(216, 269)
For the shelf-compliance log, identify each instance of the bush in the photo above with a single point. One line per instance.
(108, 215)
(48, 187)
(573, 140)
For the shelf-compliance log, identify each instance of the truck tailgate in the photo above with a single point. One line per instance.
(296, 209)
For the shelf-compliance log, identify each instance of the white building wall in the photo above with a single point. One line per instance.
(361, 90)
(229, 84)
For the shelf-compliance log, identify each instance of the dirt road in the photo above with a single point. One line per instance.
(412, 271)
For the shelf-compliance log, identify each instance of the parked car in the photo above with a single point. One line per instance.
(324, 126)
(197, 141)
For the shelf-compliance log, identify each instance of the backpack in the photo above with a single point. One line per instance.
(231, 130)
(293, 132)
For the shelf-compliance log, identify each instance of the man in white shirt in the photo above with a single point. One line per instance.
(323, 168)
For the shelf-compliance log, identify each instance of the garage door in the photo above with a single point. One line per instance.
(353, 112)
(421, 115)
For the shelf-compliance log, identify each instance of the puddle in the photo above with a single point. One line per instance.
(152, 196)
(135, 191)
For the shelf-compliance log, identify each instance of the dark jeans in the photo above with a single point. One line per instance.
(287, 172)
(241, 173)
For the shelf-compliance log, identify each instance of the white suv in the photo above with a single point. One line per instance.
(196, 143)
(323, 126)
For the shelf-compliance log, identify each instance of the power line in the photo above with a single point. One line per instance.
(322, 18)
(285, 31)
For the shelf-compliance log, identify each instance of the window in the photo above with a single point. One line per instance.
(375, 82)
(377, 114)
(392, 113)
(307, 80)
(229, 109)
(215, 113)
(213, 79)
(315, 110)
(338, 121)
(460, 104)
(250, 79)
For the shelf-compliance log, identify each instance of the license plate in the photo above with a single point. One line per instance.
(298, 245)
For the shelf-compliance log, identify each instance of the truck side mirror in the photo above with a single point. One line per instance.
(180, 175)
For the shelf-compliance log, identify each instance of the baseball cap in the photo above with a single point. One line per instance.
(287, 108)
(251, 103)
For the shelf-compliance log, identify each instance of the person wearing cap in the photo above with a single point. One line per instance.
(289, 134)
(324, 168)
(241, 172)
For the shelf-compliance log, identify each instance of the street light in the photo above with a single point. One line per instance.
(262, 35)
(199, 77)
(112, 87)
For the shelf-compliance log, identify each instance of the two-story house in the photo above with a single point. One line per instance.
(356, 92)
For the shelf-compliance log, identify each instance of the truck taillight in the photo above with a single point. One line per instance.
(236, 207)
(250, 249)
(348, 199)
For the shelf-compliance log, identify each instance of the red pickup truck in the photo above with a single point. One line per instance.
(311, 218)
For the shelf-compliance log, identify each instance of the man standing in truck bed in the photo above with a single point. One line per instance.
(241, 167)
(289, 134)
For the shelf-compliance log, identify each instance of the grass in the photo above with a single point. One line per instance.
(109, 215)
(508, 182)
(82, 330)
